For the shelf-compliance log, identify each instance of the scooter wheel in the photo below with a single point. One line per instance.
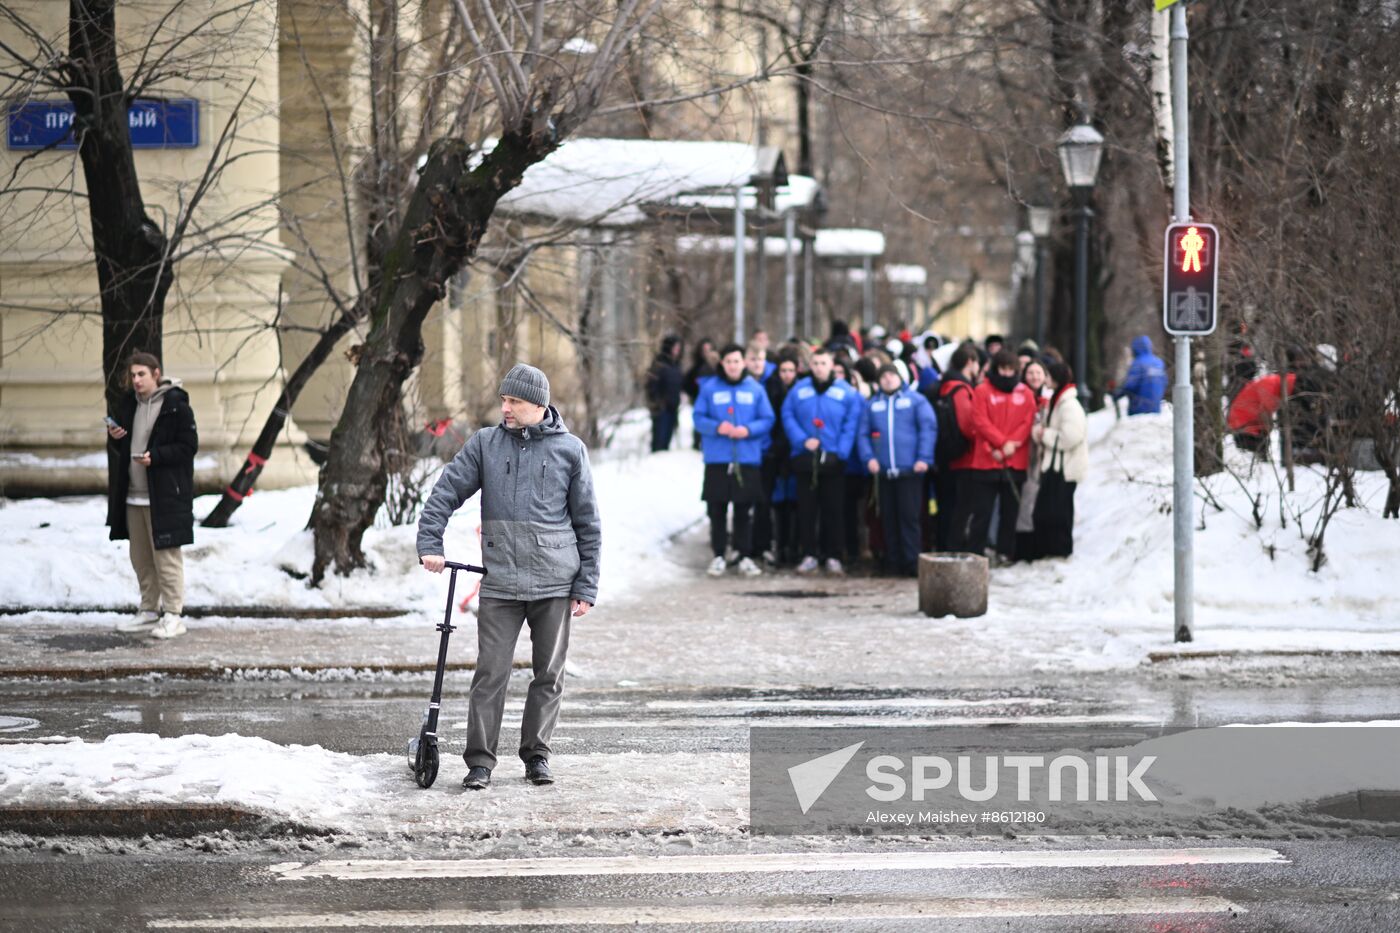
(428, 767)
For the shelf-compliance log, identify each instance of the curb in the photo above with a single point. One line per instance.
(224, 672)
(1380, 806)
(153, 819)
(1157, 657)
(226, 612)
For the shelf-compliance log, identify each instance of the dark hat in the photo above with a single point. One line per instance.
(888, 368)
(527, 382)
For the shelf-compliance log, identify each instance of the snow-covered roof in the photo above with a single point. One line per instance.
(849, 242)
(606, 182)
(773, 246)
(903, 274)
(799, 193)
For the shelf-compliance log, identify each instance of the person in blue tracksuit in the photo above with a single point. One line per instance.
(896, 440)
(821, 416)
(1146, 382)
(733, 417)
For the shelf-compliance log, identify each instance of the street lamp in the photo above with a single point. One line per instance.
(1039, 219)
(1025, 258)
(1081, 148)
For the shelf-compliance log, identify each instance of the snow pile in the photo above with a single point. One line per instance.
(1111, 603)
(56, 553)
(1272, 775)
(303, 783)
(376, 793)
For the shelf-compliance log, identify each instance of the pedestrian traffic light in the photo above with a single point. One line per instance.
(1189, 279)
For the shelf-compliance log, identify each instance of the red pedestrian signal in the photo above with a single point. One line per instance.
(1189, 279)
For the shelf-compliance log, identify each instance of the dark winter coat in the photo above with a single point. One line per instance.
(778, 449)
(663, 385)
(698, 372)
(541, 533)
(174, 442)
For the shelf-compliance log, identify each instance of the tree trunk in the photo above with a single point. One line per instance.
(804, 119)
(442, 227)
(133, 272)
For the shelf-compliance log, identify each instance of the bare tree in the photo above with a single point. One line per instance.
(135, 256)
(539, 96)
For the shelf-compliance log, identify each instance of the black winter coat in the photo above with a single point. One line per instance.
(173, 444)
(663, 385)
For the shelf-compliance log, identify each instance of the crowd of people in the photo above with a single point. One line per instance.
(884, 445)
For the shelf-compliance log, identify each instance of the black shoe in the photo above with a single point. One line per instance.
(478, 778)
(537, 771)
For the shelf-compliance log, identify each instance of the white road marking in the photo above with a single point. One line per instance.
(691, 915)
(379, 869)
(779, 703)
(793, 722)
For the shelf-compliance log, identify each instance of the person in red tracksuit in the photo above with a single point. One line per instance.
(1002, 414)
(950, 481)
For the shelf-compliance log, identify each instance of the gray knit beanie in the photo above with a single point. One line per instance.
(526, 382)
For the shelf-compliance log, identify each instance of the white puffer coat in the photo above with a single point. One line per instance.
(1065, 442)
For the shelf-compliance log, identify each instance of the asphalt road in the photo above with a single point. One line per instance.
(1283, 886)
(215, 882)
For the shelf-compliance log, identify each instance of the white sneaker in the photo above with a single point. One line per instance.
(143, 621)
(770, 558)
(169, 626)
(748, 568)
(833, 566)
(808, 565)
(717, 567)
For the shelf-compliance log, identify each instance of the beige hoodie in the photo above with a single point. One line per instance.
(138, 490)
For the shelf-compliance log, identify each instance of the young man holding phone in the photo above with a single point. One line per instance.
(151, 445)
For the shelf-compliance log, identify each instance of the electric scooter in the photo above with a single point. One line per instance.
(423, 750)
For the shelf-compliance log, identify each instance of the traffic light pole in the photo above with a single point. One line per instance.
(1183, 404)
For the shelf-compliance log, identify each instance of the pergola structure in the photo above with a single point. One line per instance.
(709, 188)
(855, 249)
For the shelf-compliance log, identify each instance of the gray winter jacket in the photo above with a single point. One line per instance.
(541, 535)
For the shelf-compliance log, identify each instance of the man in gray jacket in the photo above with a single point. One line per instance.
(540, 543)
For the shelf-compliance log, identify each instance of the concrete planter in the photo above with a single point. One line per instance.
(953, 584)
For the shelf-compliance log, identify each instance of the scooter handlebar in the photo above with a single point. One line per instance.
(470, 568)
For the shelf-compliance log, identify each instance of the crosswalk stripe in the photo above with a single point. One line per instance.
(692, 915)
(379, 869)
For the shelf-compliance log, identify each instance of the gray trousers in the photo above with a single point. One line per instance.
(497, 630)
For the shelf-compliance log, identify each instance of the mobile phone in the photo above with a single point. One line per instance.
(110, 421)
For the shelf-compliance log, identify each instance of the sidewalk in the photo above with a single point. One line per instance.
(85, 647)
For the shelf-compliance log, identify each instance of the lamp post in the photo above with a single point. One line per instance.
(1081, 148)
(1039, 220)
(1025, 259)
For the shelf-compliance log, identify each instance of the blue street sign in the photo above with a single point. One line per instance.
(155, 124)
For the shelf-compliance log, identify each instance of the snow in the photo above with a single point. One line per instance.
(1197, 774)
(850, 242)
(799, 193)
(1111, 603)
(605, 182)
(773, 246)
(903, 274)
(56, 552)
(376, 793)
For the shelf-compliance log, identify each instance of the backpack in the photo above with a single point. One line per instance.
(952, 443)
